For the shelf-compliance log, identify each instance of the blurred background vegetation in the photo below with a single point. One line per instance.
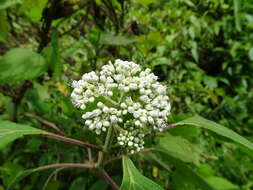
(202, 50)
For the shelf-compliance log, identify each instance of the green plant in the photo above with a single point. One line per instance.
(202, 53)
(122, 116)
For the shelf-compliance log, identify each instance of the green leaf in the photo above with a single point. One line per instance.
(10, 131)
(180, 148)
(147, 42)
(178, 184)
(8, 3)
(19, 177)
(236, 14)
(211, 82)
(251, 54)
(221, 183)
(21, 64)
(194, 50)
(146, 2)
(53, 185)
(33, 9)
(4, 25)
(189, 3)
(79, 183)
(249, 18)
(205, 170)
(186, 173)
(187, 132)
(99, 184)
(9, 171)
(110, 39)
(134, 180)
(217, 128)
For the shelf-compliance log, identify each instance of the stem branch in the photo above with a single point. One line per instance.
(64, 165)
(105, 147)
(45, 122)
(103, 174)
(71, 141)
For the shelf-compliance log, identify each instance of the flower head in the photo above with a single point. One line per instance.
(125, 97)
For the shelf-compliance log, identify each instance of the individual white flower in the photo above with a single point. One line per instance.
(124, 96)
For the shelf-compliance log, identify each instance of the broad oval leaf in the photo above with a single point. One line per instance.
(21, 64)
(180, 148)
(217, 128)
(134, 180)
(10, 131)
(186, 173)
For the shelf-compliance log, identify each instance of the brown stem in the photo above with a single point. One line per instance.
(165, 129)
(119, 157)
(71, 141)
(169, 127)
(103, 174)
(64, 165)
(45, 122)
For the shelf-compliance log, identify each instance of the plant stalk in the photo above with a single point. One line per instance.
(64, 165)
(104, 175)
(105, 147)
(70, 140)
(112, 102)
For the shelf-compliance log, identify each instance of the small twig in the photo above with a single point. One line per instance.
(51, 176)
(64, 165)
(45, 122)
(71, 141)
(165, 129)
(90, 155)
(169, 127)
(103, 174)
(120, 157)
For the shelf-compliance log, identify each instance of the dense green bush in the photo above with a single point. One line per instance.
(202, 50)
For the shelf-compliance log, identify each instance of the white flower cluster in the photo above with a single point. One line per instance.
(131, 139)
(124, 97)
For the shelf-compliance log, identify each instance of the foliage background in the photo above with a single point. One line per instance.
(203, 51)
